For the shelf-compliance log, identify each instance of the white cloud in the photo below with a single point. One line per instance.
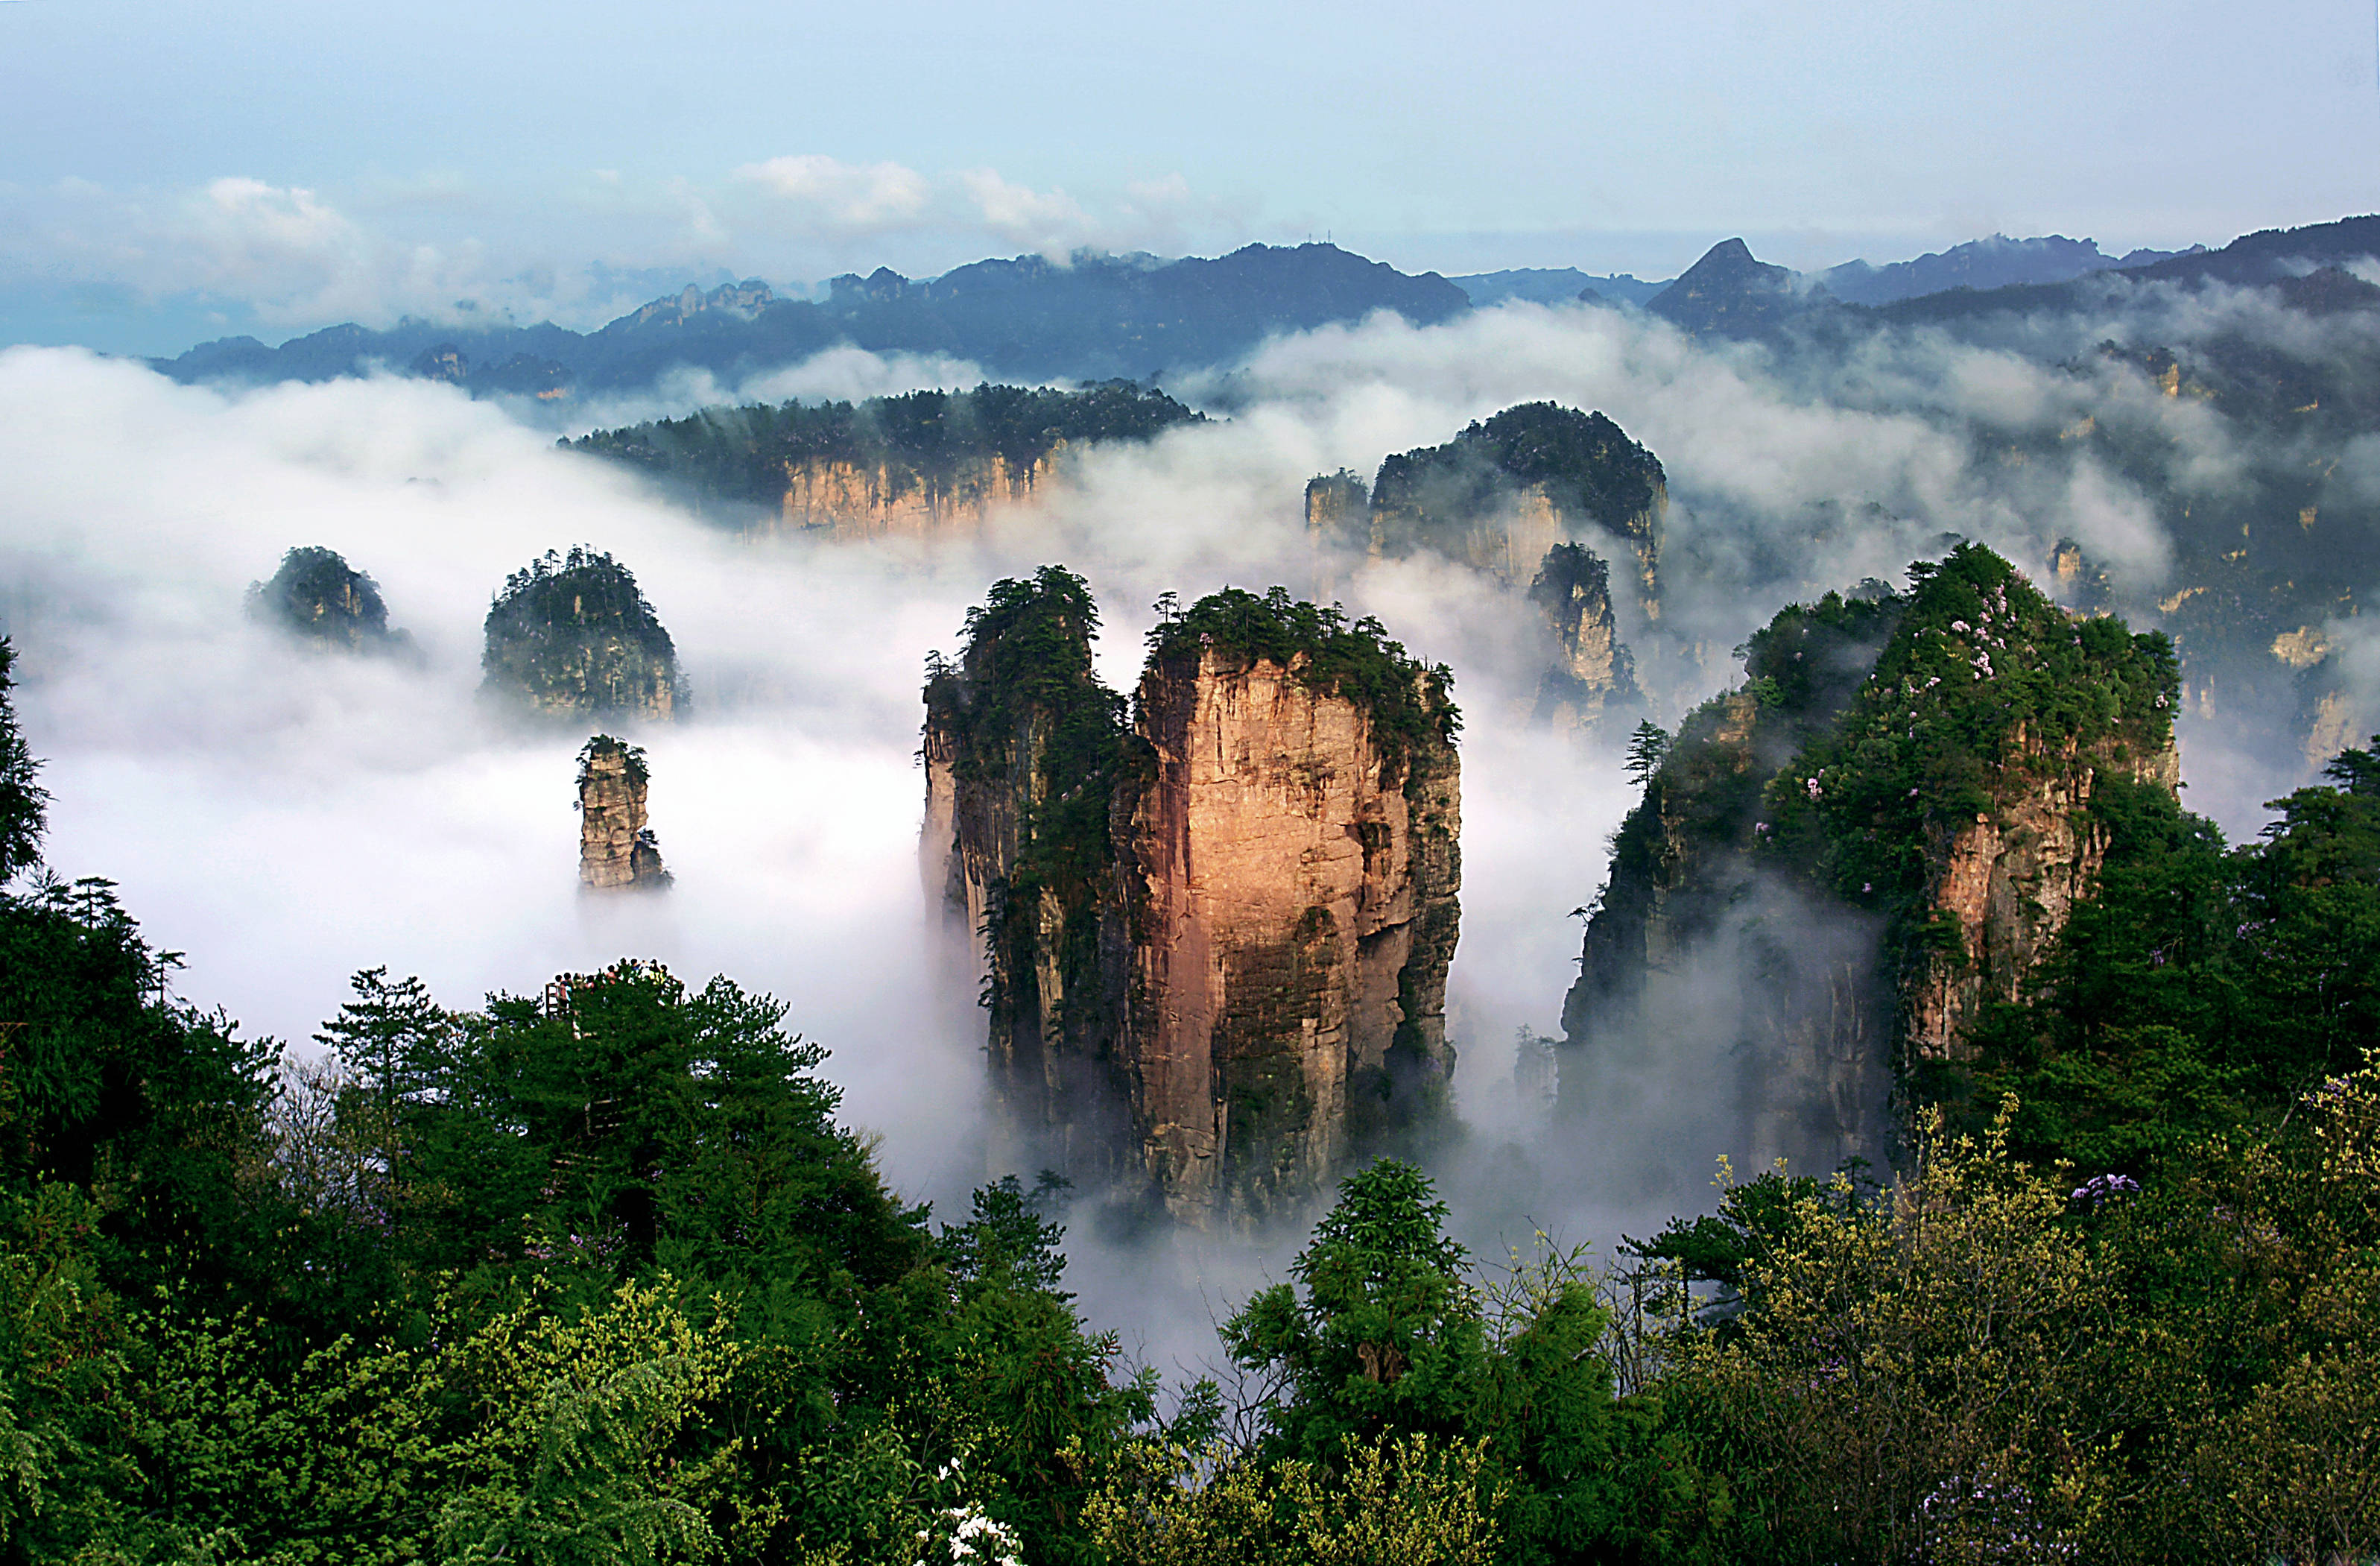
(1047, 220)
(851, 197)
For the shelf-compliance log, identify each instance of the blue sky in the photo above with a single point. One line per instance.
(170, 171)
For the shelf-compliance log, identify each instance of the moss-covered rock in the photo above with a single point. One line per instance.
(572, 636)
(318, 596)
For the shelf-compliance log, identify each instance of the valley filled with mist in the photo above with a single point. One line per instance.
(1213, 759)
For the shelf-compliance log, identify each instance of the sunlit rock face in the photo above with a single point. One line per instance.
(1293, 883)
(318, 596)
(573, 637)
(2007, 882)
(1592, 675)
(852, 501)
(1215, 943)
(924, 465)
(615, 848)
(1837, 868)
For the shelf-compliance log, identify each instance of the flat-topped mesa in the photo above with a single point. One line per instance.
(1290, 851)
(1505, 491)
(318, 596)
(1882, 833)
(924, 465)
(1215, 945)
(573, 637)
(615, 848)
(1592, 676)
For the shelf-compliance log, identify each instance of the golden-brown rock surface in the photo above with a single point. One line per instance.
(615, 848)
(1295, 915)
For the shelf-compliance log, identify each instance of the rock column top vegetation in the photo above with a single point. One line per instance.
(598, 1278)
(1895, 817)
(1591, 683)
(615, 848)
(1216, 941)
(925, 464)
(572, 636)
(318, 596)
(1509, 488)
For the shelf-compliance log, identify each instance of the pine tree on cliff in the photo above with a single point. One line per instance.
(24, 804)
(1922, 765)
(573, 635)
(1032, 744)
(318, 596)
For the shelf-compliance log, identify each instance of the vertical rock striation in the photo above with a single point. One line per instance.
(1592, 673)
(1021, 745)
(922, 465)
(615, 848)
(1882, 833)
(849, 501)
(1216, 944)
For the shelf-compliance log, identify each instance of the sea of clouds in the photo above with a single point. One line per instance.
(284, 817)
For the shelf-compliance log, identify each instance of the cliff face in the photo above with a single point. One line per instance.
(572, 636)
(615, 848)
(1885, 830)
(317, 594)
(849, 501)
(2006, 884)
(918, 464)
(1508, 489)
(1591, 671)
(1021, 745)
(1295, 913)
(1215, 945)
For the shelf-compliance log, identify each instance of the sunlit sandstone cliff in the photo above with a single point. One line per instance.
(925, 464)
(1293, 879)
(615, 848)
(1215, 943)
(852, 500)
(1883, 831)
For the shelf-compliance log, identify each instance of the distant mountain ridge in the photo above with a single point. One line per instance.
(1730, 293)
(1553, 285)
(1993, 263)
(1097, 318)
(1138, 317)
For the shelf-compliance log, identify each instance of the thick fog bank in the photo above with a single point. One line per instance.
(286, 817)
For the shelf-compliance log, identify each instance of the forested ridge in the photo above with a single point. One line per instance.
(592, 1274)
(919, 440)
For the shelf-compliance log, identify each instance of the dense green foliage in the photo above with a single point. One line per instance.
(922, 440)
(1983, 683)
(1590, 469)
(23, 801)
(1026, 722)
(1412, 714)
(2201, 989)
(574, 634)
(632, 757)
(317, 594)
(596, 1277)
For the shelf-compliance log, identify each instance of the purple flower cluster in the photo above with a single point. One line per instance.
(2103, 1188)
